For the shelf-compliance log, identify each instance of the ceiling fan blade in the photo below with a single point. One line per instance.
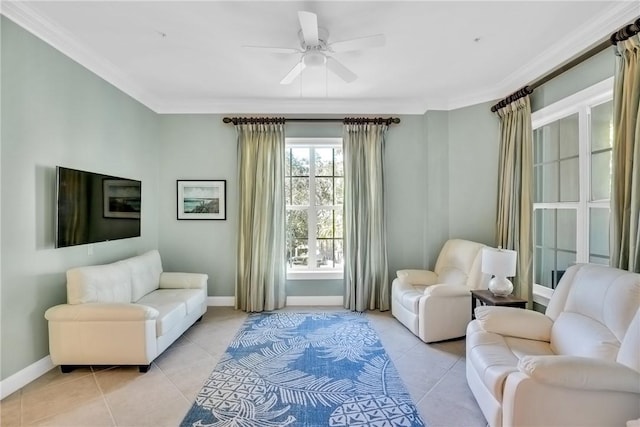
(291, 75)
(274, 49)
(340, 70)
(309, 27)
(359, 43)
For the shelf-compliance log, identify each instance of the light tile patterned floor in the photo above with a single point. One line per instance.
(121, 396)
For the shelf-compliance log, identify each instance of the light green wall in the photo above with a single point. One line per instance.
(473, 173)
(55, 112)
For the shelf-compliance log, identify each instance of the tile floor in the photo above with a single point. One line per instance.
(121, 396)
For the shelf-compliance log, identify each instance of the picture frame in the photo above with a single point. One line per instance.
(202, 199)
(121, 198)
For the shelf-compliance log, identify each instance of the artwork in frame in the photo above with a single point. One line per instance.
(202, 199)
(121, 198)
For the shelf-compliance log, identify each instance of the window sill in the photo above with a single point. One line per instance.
(315, 275)
(542, 294)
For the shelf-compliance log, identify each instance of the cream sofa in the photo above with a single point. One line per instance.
(576, 365)
(125, 313)
(436, 305)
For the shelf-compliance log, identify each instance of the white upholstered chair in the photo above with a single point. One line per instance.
(436, 305)
(576, 365)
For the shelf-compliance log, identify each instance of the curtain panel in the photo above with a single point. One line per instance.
(260, 271)
(625, 192)
(515, 183)
(366, 269)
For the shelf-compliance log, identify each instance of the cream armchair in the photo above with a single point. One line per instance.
(576, 365)
(436, 305)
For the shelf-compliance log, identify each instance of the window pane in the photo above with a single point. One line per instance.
(297, 253)
(566, 229)
(324, 191)
(599, 232)
(300, 162)
(548, 265)
(569, 136)
(548, 182)
(287, 191)
(602, 126)
(569, 180)
(287, 162)
(339, 190)
(601, 175)
(564, 260)
(545, 226)
(325, 253)
(538, 135)
(325, 223)
(337, 152)
(338, 214)
(550, 138)
(297, 224)
(599, 260)
(300, 190)
(324, 161)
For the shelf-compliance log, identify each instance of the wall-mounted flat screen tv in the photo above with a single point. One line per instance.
(93, 208)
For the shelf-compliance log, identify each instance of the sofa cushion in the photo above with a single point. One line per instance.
(192, 298)
(145, 273)
(98, 284)
(171, 311)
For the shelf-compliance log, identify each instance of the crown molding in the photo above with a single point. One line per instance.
(28, 18)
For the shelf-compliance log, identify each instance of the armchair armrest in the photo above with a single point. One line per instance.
(445, 290)
(418, 277)
(183, 281)
(582, 373)
(515, 322)
(116, 312)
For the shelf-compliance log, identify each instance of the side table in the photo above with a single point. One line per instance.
(485, 297)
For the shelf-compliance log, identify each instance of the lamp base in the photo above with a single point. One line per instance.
(500, 286)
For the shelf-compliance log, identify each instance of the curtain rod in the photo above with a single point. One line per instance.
(350, 120)
(622, 34)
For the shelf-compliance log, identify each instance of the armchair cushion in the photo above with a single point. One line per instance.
(583, 373)
(515, 322)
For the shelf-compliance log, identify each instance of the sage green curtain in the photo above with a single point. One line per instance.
(625, 194)
(365, 247)
(260, 275)
(515, 181)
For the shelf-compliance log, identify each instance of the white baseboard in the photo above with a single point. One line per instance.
(319, 301)
(21, 378)
(221, 301)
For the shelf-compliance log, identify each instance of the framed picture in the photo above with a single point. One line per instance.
(202, 199)
(121, 198)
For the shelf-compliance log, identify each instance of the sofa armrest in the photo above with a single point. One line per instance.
(582, 373)
(115, 312)
(183, 281)
(515, 322)
(445, 290)
(418, 277)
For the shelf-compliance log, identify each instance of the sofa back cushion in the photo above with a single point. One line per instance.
(145, 273)
(98, 284)
(459, 263)
(593, 308)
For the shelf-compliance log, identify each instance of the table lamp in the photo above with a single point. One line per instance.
(501, 263)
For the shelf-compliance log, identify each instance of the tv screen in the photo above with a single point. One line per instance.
(92, 207)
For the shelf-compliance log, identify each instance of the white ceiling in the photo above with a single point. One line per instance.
(188, 56)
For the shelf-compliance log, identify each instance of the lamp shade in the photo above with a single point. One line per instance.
(499, 262)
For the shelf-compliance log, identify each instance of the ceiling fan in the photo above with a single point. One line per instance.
(315, 50)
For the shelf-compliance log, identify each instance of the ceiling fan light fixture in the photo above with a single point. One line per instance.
(314, 58)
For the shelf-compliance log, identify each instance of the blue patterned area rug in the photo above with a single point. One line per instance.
(304, 369)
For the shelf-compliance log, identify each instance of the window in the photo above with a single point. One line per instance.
(572, 143)
(314, 189)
